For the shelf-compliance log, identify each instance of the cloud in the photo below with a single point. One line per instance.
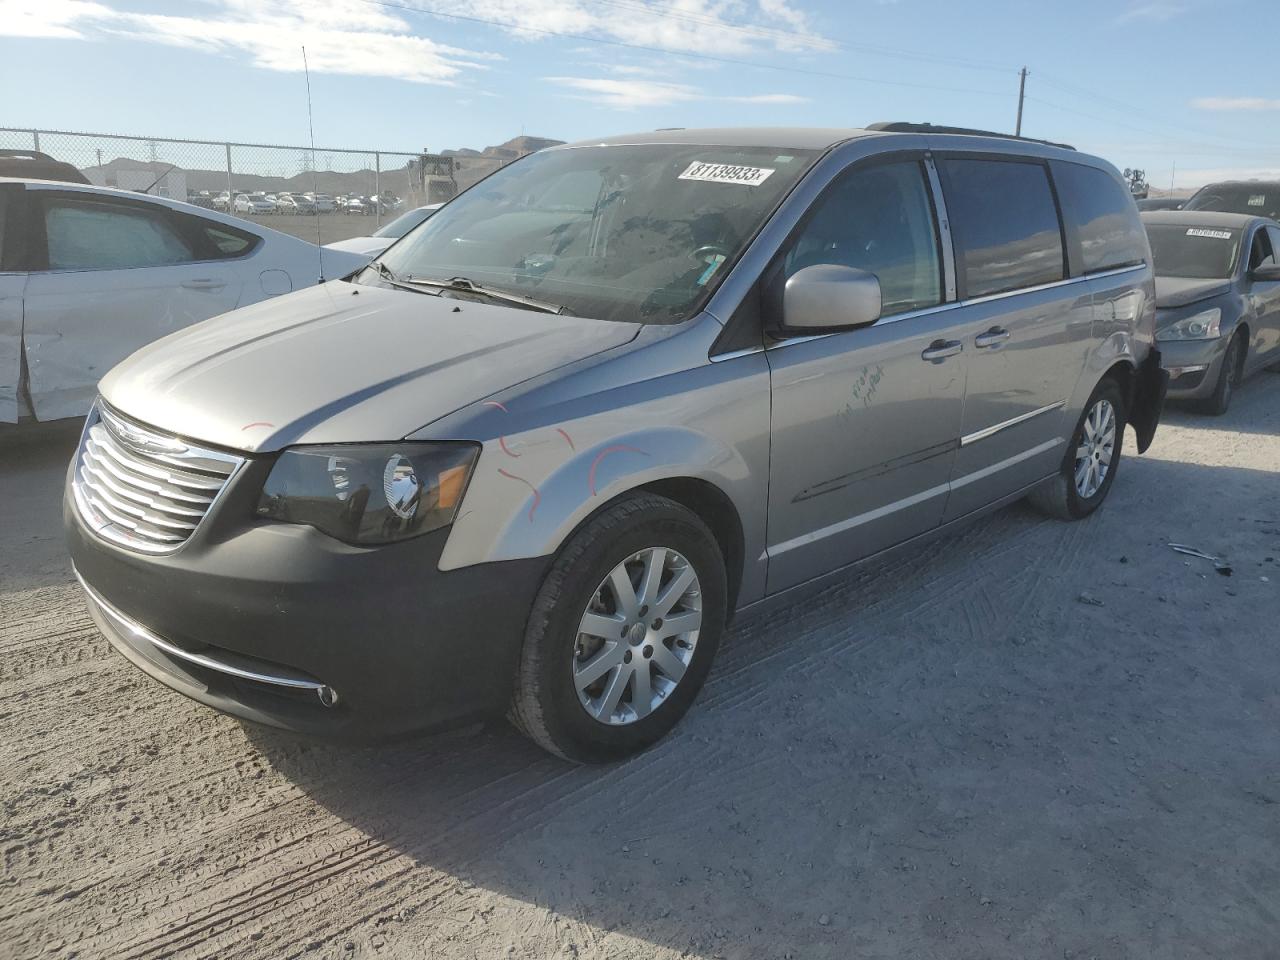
(362, 38)
(1157, 11)
(630, 94)
(725, 27)
(1235, 103)
(47, 18)
(341, 36)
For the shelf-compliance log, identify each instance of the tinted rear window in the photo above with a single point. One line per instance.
(1256, 199)
(1005, 222)
(1104, 217)
(1203, 253)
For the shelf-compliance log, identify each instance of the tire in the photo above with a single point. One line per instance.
(547, 705)
(1063, 496)
(1217, 403)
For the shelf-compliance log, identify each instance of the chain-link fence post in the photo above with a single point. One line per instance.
(35, 140)
(377, 189)
(230, 195)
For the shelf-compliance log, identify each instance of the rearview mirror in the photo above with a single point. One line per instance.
(1268, 270)
(828, 297)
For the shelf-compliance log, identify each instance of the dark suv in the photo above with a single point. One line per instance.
(1256, 198)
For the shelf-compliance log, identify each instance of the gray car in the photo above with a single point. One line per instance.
(535, 457)
(1217, 300)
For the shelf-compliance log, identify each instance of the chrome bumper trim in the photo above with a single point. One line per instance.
(136, 630)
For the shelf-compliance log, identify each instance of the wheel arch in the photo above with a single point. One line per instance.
(718, 512)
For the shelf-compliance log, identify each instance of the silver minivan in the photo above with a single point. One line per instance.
(535, 456)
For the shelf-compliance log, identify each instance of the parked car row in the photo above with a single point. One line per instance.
(260, 203)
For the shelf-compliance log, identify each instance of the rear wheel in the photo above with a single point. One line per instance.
(1089, 467)
(1228, 377)
(622, 632)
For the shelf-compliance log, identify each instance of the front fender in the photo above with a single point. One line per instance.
(530, 491)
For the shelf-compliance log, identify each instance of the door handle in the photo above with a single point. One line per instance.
(992, 338)
(939, 350)
(204, 284)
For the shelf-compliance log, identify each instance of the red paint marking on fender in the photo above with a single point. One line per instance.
(495, 403)
(591, 474)
(256, 423)
(502, 442)
(537, 497)
(568, 439)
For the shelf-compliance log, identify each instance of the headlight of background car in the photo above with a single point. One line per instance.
(369, 494)
(1199, 326)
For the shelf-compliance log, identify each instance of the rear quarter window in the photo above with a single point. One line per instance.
(1005, 224)
(1101, 214)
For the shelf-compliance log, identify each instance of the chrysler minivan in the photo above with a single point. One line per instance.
(534, 457)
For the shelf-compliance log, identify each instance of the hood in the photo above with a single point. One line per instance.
(1181, 291)
(341, 363)
(367, 247)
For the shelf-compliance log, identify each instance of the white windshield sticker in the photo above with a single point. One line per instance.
(1258, 200)
(726, 173)
(1211, 234)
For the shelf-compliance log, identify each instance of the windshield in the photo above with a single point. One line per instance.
(402, 224)
(1256, 199)
(1205, 253)
(639, 233)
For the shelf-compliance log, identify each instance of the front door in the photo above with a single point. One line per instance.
(864, 422)
(1263, 297)
(117, 275)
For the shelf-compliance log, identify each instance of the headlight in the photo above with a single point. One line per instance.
(369, 494)
(1199, 326)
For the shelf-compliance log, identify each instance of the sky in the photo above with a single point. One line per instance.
(1164, 85)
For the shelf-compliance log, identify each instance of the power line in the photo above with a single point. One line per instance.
(586, 38)
(1120, 106)
(1181, 146)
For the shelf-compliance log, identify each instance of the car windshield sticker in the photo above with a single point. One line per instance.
(1257, 200)
(726, 173)
(712, 267)
(1211, 234)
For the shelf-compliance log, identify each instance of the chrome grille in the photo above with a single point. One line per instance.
(143, 489)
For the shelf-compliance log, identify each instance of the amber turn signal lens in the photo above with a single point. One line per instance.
(451, 483)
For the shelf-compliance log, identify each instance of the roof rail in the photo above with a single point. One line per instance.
(898, 126)
(25, 154)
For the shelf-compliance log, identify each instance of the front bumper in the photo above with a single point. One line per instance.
(1193, 366)
(279, 624)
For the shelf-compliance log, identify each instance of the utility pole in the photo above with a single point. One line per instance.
(1022, 94)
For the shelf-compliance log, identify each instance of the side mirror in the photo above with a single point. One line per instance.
(1267, 271)
(827, 297)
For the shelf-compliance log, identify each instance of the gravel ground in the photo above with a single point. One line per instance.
(1031, 739)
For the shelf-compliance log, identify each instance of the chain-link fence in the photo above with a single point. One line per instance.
(321, 194)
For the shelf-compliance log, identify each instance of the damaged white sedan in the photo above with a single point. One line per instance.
(90, 274)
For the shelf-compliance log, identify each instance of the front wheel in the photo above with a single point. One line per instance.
(1089, 467)
(1219, 401)
(622, 633)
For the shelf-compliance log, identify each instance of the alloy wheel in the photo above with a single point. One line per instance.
(637, 636)
(1097, 447)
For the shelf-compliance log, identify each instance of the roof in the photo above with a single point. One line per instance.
(1241, 183)
(822, 138)
(799, 138)
(1201, 218)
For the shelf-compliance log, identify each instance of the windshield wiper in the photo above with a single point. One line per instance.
(390, 276)
(463, 285)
